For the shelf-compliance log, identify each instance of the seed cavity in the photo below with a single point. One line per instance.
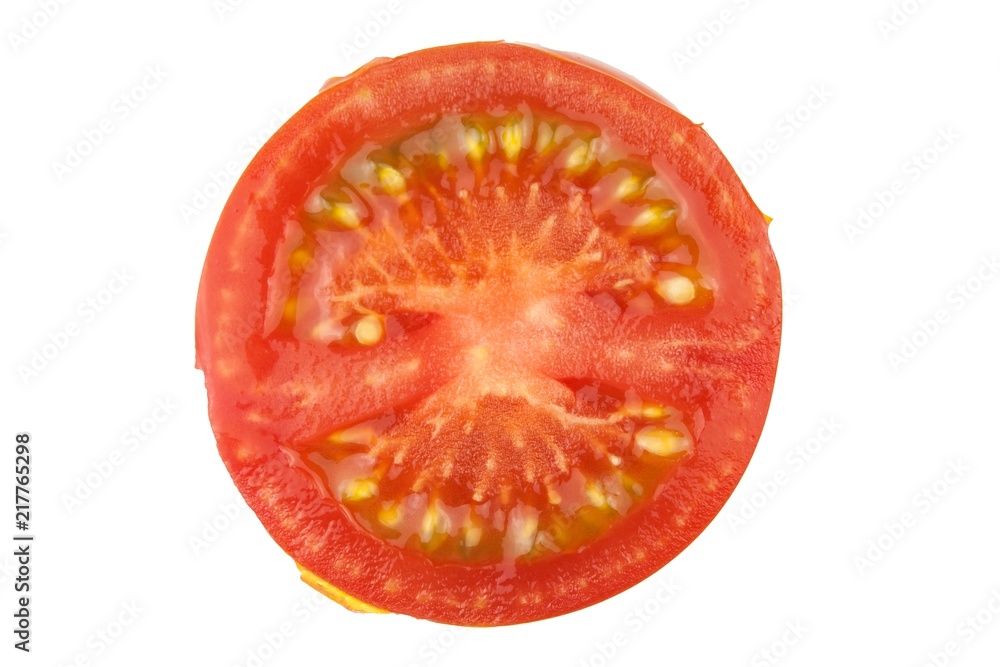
(630, 186)
(391, 179)
(522, 529)
(580, 156)
(544, 137)
(328, 331)
(362, 434)
(512, 139)
(529, 515)
(289, 312)
(390, 515)
(477, 143)
(368, 330)
(662, 442)
(345, 215)
(471, 536)
(654, 219)
(675, 289)
(358, 489)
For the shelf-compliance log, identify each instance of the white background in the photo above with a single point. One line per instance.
(826, 551)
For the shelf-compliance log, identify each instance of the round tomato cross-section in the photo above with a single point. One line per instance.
(489, 334)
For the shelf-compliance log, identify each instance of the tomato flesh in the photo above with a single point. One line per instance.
(487, 354)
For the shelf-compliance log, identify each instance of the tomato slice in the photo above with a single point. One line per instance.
(489, 334)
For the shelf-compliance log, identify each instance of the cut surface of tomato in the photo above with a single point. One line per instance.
(489, 334)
